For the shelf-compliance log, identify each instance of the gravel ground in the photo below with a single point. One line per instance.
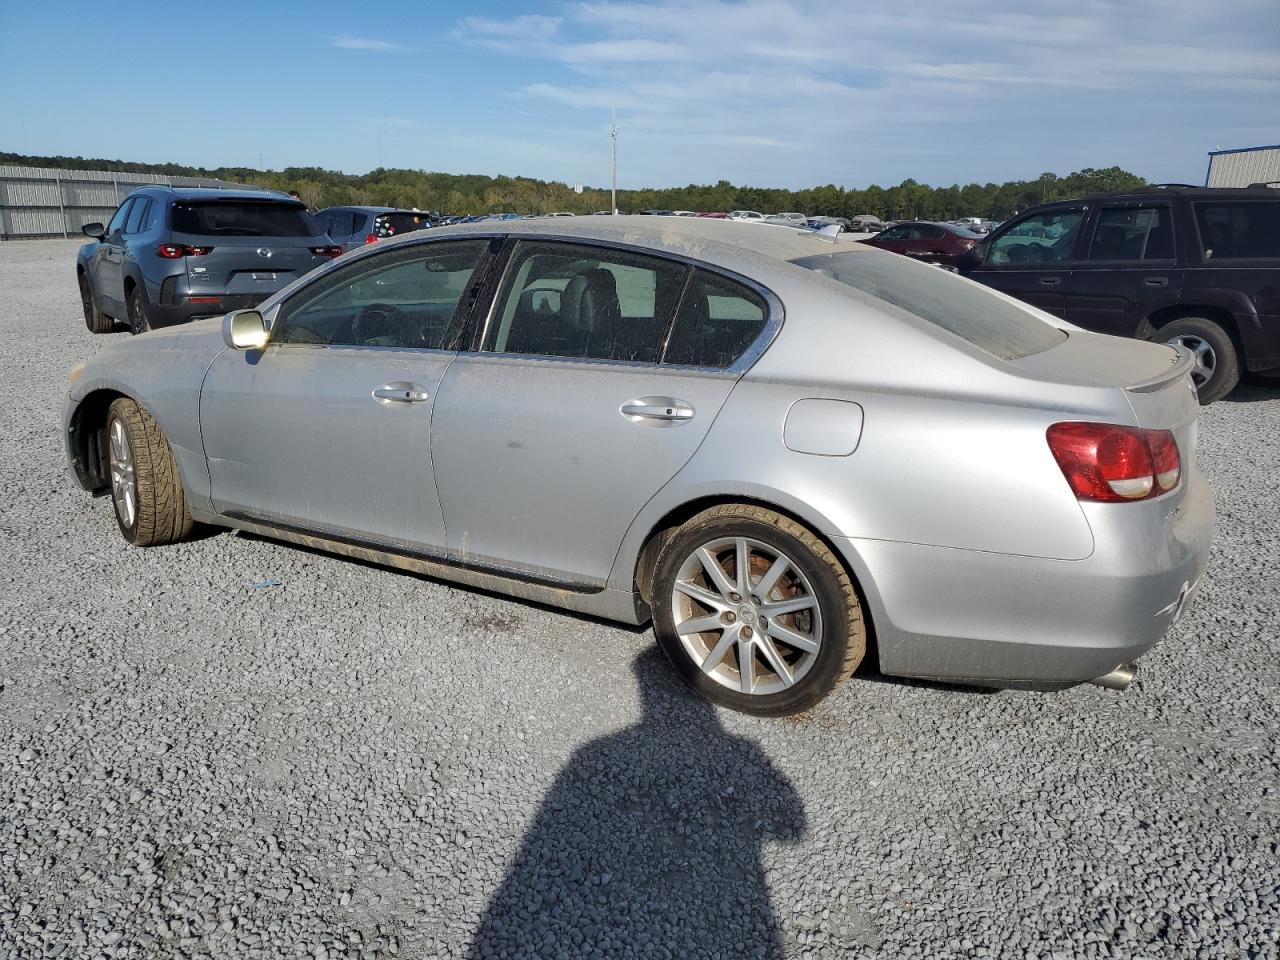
(362, 763)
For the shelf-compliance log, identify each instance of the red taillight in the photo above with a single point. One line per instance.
(1168, 462)
(371, 238)
(327, 251)
(1111, 463)
(176, 251)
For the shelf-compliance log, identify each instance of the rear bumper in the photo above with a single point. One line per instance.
(183, 310)
(1022, 621)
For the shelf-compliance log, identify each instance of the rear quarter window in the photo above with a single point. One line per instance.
(940, 299)
(248, 218)
(1239, 229)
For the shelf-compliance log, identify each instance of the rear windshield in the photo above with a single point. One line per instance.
(1239, 229)
(243, 218)
(942, 299)
(394, 224)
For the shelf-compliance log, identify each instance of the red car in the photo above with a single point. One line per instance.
(942, 243)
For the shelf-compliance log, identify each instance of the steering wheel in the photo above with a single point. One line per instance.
(382, 321)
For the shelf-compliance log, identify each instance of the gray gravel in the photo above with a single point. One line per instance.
(361, 763)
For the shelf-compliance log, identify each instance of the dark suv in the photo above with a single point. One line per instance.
(1195, 266)
(174, 254)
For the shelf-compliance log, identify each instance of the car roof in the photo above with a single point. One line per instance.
(1169, 190)
(213, 193)
(372, 209)
(723, 242)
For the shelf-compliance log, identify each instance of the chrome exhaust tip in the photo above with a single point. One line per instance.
(1117, 679)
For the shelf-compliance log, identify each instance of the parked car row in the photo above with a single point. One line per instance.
(1198, 267)
(758, 420)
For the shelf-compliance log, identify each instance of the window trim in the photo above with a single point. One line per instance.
(774, 312)
(142, 205)
(1095, 221)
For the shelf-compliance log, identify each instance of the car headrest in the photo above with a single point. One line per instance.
(590, 301)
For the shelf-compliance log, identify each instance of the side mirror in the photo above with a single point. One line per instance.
(95, 230)
(244, 330)
(974, 257)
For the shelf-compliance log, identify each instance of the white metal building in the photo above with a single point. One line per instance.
(1239, 168)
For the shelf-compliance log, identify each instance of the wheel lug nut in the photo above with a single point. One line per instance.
(755, 600)
(764, 622)
(735, 597)
(746, 632)
(729, 616)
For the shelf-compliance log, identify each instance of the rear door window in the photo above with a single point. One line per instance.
(1133, 233)
(1239, 229)
(718, 320)
(243, 218)
(596, 303)
(937, 298)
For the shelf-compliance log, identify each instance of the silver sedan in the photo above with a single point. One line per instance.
(787, 450)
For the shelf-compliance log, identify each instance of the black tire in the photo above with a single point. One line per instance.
(94, 319)
(160, 512)
(1223, 373)
(843, 635)
(139, 322)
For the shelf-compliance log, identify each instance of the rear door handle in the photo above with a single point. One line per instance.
(657, 410)
(400, 391)
(1050, 281)
(1155, 281)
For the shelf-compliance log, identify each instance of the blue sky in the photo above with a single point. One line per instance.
(762, 92)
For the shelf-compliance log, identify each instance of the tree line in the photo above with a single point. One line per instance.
(473, 194)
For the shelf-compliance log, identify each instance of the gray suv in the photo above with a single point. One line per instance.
(170, 255)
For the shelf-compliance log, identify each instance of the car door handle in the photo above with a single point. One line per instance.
(657, 409)
(1155, 281)
(1050, 281)
(400, 392)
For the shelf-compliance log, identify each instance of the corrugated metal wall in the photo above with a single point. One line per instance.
(1239, 168)
(45, 202)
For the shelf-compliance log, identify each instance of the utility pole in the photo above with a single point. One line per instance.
(613, 136)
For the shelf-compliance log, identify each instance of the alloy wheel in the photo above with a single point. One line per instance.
(124, 481)
(1206, 361)
(747, 615)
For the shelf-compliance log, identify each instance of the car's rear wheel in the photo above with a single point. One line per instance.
(1217, 363)
(94, 319)
(139, 322)
(756, 612)
(146, 490)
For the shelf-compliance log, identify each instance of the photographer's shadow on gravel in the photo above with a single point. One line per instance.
(649, 843)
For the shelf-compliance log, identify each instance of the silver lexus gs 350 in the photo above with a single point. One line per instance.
(787, 450)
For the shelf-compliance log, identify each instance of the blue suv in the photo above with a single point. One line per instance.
(173, 254)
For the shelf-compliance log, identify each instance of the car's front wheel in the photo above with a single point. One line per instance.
(146, 489)
(139, 322)
(1217, 364)
(94, 319)
(755, 611)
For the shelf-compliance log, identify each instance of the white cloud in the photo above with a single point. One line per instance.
(348, 42)
(701, 86)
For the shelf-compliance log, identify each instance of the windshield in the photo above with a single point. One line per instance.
(942, 299)
(243, 218)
